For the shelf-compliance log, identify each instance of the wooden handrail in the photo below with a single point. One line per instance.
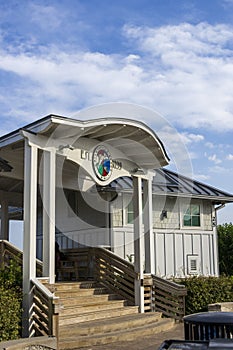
(165, 296)
(44, 316)
(9, 251)
(115, 273)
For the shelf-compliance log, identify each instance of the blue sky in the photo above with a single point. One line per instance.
(172, 56)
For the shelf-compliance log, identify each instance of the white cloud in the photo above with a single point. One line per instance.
(210, 145)
(214, 159)
(229, 157)
(227, 3)
(218, 170)
(201, 177)
(45, 16)
(190, 138)
(179, 155)
(184, 71)
(197, 71)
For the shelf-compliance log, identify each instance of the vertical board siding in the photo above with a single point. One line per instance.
(170, 252)
(179, 267)
(205, 254)
(160, 254)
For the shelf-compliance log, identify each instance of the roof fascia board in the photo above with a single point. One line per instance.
(15, 136)
(108, 121)
(46, 122)
(178, 195)
(195, 196)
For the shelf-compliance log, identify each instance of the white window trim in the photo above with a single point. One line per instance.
(125, 203)
(183, 211)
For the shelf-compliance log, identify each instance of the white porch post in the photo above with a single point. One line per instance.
(138, 237)
(215, 241)
(49, 189)
(4, 220)
(148, 228)
(30, 218)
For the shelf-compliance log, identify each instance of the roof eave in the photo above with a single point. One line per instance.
(221, 199)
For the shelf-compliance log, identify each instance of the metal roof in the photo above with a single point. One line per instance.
(167, 182)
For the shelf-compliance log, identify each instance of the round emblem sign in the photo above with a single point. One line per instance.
(102, 163)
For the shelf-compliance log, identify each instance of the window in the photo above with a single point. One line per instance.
(130, 215)
(192, 215)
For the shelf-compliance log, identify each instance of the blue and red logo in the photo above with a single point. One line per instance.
(102, 163)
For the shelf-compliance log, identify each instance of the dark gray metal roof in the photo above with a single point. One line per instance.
(167, 182)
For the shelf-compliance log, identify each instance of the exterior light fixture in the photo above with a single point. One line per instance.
(163, 214)
(61, 147)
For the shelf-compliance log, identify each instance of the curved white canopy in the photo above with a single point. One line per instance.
(123, 134)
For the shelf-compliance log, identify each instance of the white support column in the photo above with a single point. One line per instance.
(4, 220)
(30, 219)
(148, 228)
(138, 237)
(49, 189)
(215, 242)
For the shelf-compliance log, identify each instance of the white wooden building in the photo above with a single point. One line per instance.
(102, 183)
(184, 219)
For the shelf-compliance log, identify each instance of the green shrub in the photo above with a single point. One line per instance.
(225, 247)
(11, 276)
(10, 301)
(10, 315)
(203, 291)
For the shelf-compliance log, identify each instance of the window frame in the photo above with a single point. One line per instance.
(127, 212)
(183, 213)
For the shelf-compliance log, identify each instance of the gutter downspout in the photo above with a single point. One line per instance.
(221, 206)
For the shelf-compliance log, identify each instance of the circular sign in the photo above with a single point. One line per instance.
(102, 163)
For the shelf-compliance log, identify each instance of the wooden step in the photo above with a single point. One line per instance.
(93, 307)
(73, 319)
(100, 317)
(75, 285)
(92, 299)
(127, 334)
(71, 293)
(109, 325)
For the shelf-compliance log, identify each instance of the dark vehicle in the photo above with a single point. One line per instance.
(215, 344)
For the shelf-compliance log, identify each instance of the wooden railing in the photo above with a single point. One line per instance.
(164, 296)
(115, 273)
(44, 313)
(8, 252)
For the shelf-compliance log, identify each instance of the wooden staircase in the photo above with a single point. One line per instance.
(89, 315)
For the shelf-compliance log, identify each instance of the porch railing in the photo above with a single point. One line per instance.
(44, 312)
(115, 273)
(164, 296)
(8, 252)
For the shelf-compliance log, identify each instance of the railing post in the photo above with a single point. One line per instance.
(50, 318)
(1, 254)
(55, 324)
(148, 293)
